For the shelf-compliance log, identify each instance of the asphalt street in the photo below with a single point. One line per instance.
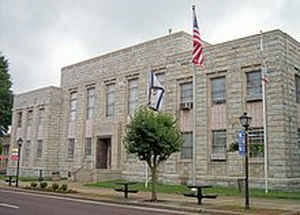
(17, 203)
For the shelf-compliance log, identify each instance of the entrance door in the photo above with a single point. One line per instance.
(103, 156)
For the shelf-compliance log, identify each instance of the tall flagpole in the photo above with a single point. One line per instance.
(194, 121)
(197, 59)
(194, 128)
(264, 70)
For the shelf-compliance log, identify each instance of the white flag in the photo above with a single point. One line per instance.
(155, 92)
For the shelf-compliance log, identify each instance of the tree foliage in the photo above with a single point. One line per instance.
(6, 96)
(153, 137)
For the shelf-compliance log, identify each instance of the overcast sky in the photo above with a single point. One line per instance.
(39, 37)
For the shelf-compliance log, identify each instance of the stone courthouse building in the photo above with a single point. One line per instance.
(77, 129)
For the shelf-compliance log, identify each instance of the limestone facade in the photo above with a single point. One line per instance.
(86, 117)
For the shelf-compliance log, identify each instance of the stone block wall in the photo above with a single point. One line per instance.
(48, 99)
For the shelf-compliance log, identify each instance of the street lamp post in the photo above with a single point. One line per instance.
(245, 122)
(19, 142)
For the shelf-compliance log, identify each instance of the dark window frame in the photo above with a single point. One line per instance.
(71, 148)
(216, 153)
(110, 100)
(19, 119)
(91, 95)
(218, 95)
(73, 105)
(133, 88)
(254, 85)
(186, 95)
(256, 141)
(39, 150)
(188, 147)
(88, 146)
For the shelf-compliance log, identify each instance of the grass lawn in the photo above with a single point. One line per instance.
(221, 191)
(2, 177)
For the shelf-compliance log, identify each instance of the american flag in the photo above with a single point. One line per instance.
(197, 43)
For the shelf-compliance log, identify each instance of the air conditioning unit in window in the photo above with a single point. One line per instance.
(219, 100)
(186, 105)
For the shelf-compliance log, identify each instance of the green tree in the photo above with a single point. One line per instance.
(6, 96)
(153, 137)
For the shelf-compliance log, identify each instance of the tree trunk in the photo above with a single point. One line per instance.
(153, 171)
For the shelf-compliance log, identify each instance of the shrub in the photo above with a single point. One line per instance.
(33, 184)
(55, 186)
(43, 185)
(233, 147)
(63, 187)
(49, 189)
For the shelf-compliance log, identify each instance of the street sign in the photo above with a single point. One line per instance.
(242, 143)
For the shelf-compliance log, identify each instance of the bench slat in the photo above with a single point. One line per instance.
(210, 196)
(190, 194)
(122, 190)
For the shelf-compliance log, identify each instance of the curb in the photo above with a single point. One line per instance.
(128, 202)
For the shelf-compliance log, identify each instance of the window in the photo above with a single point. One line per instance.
(90, 102)
(110, 100)
(73, 105)
(187, 147)
(88, 146)
(133, 95)
(186, 92)
(219, 144)
(41, 116)
(39, 149)
(29, 118)
(256, 142)
(298, 142)
(19, 120)
(27, 148)
(71, 146)
(297, 80)
(29, 124)
(218, 90)
(254, 86)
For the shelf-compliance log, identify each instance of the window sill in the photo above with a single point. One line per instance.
(254, 99)
(218, 102)
(185, 160)
(256, 160)
(110, 117)
(218, 157)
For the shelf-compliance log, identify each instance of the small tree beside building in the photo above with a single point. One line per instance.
(153, 137)
(6, 96)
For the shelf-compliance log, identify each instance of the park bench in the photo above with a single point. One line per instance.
(125, 189)
(199, 194)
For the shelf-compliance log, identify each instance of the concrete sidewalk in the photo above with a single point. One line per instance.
(221, 205)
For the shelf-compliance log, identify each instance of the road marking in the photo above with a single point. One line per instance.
(146, 208)
(8, 206)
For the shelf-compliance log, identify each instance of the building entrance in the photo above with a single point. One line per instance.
(103, 153)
